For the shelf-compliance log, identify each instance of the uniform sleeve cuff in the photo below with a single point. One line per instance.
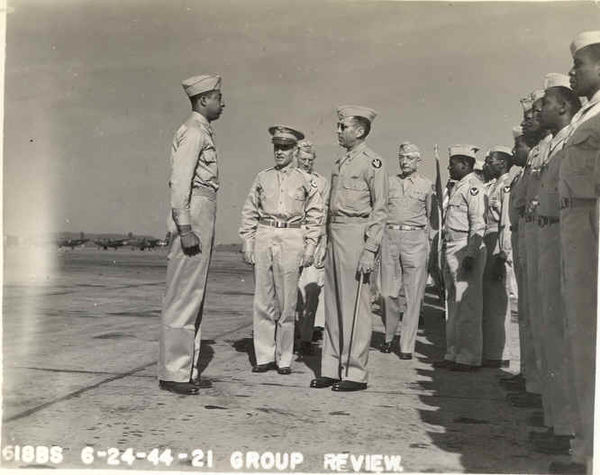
(181, 218)
(247, 246)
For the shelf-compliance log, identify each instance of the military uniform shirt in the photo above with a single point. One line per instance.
(547, 197)
(193, 164)
(409, 200)
(289, 195)
(465, 213)
(538, 156)
(323, 188)
(359, 189)
(497, 216)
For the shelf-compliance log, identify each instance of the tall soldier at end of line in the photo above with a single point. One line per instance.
(579, 189)
(193, 187)
(405, 249)
(357, 214)
(497, 238)
(282, 200)
(464, 263)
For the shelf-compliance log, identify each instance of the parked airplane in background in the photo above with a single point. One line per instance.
(72, 243)
(114, 243)
(149, 242)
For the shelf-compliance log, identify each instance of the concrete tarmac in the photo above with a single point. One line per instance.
(80, 341)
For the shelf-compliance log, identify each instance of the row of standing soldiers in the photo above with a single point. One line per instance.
(542, 218)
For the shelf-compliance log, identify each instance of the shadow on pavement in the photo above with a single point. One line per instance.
(206, 354)
(246, 345)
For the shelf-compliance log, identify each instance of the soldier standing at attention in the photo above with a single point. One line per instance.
(405, 248)
(497, 238)
(311, 308)
(281, 201)
(193, 187)
(579, 189)
(558, 107)
(357, 214)
(464, 263)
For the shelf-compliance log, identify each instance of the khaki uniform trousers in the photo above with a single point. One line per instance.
(404, 257)
(579, 246)
(311, 308)
(528, 363)
(183, 301)
(464, 338)
(496, 305)
(534, 310)
(554, 343)
(277, 254)
(344, 248)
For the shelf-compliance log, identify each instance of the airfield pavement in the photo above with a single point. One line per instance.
(80, 331)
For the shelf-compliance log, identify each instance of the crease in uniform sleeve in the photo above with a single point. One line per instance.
(322, 245)
(378, 185)
(476, 212)
(314, 212)
(250, 217)
(504, 233)
(183, 167)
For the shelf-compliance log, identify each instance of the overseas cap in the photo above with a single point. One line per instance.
(284, 135)
(409, 148)
(356, 111)
(536, 94)
(583, 39)
(500, 149)
(526, 103)
(199, 84)
(556, 80)
(306, 146)
(464, 150)
(517, 131)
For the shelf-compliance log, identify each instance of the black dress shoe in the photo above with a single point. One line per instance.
(386, 347)
(186, 389)
(496, 363)
(284, 370)
(263, 368)
(347, 385)
(322, 382)
(201, 383)
(405, 356)
(443, 364)
(465, 368)
(513, 378)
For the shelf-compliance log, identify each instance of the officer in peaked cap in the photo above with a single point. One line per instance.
(311, 307)
(281, 225)
(579, 189)
(357, 214)
(497, 239)
(193, 184)
(405, 248)
(464, 263)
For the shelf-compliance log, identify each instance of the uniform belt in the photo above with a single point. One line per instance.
(275, 223)
(404, 227)
(205, 191)
(576, 202)
(455, 235)
(546, 220)
(348, 219)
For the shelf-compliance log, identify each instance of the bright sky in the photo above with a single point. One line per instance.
(93, 92)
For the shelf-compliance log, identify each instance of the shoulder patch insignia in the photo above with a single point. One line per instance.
(313, 184)
(376, 163)
(507, 189)
(474, 191)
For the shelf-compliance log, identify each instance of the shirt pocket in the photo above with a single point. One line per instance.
(581, 154)
(356, 195)
(209, 154)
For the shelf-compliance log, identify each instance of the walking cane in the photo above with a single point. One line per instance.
(356, 303)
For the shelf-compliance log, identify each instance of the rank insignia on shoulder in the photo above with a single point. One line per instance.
(313, 184)
(376, 163)
(474, 191)
(507, 189)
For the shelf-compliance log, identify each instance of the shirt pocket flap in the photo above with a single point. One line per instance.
(357, 184)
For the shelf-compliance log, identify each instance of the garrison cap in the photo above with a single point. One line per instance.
(464, 150)
(556, 80)
(526, 103)
(306, 146)
(536, 95)
(409, 148)
(284, 135)
(583, 39)
(517, 131)
(500, 149)
(199, 84)
(356, 111)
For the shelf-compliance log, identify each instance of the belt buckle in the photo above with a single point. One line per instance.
(280, 224)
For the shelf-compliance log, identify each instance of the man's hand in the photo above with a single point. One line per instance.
(366, 262)
(190, 243)
(320, 260)
(307, 259)
(248, 257)
(468, 263)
